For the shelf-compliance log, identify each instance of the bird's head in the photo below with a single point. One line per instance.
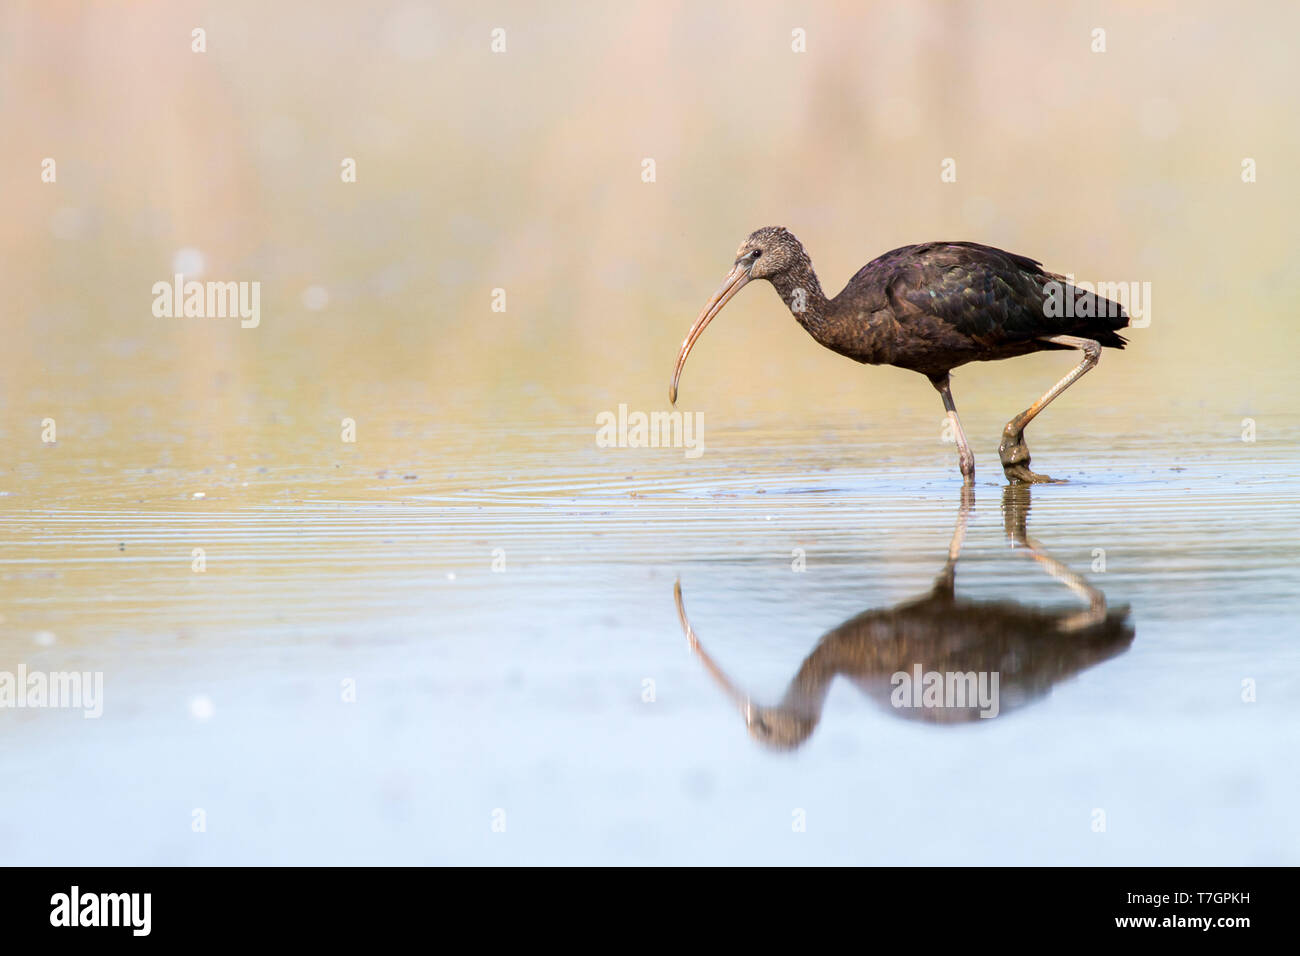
(769, 251)
(765, 254)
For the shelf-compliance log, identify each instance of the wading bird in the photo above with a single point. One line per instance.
(1030, 649)
(930, 308)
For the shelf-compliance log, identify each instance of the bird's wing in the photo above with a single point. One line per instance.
(984, 293)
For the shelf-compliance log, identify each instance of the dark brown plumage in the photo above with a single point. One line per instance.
(930, 308)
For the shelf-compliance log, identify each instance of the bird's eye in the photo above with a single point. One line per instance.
(756, 253)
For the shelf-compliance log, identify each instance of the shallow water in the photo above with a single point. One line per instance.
(560, 688)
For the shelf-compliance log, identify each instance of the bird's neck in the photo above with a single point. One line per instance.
(835, 323)
(802, 293)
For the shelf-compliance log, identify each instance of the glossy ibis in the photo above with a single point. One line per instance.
(930, 308)
(1030, 648)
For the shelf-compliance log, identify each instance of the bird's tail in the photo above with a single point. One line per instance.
(1087, 313)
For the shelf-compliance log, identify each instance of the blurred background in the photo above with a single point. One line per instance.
(523, 169)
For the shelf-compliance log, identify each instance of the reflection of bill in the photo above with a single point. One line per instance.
(1030, 649)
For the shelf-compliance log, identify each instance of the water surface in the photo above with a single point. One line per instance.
(561, 689)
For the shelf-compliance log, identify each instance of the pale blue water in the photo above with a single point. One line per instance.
(524, 690)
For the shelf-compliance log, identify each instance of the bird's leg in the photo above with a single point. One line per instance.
(964, 456)
(1013, 450)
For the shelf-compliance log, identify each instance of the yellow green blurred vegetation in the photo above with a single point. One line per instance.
(522, 170)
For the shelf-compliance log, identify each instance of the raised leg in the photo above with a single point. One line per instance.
(964, 456)
(1013, 450)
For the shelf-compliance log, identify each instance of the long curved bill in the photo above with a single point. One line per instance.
(733, 283)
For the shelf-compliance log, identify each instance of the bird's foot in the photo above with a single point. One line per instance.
(1015, 461)
(1020, 474)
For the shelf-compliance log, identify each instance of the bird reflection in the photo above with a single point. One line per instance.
(1018, 651)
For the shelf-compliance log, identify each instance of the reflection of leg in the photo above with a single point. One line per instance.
(1076, 583)
(944, 582)
(1015, 512)
(965, 458)
(1013, 450)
